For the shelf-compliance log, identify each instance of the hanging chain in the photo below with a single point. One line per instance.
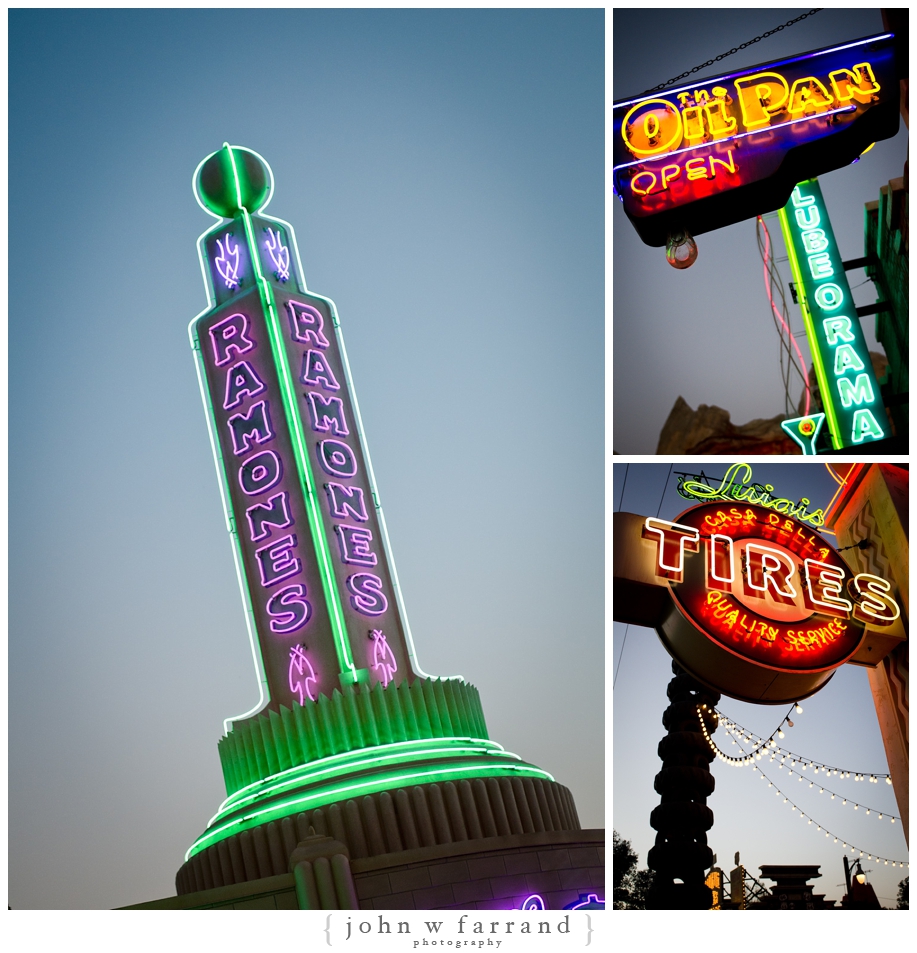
(735, 49)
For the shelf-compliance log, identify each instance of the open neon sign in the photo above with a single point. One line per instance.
(300, 498)
(847, 383)
(681, 155)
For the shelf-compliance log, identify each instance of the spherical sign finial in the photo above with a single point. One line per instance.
(231, 179)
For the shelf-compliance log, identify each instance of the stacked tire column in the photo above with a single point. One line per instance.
(681, 856)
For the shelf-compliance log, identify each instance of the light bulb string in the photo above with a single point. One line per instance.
(807, 762)
(750, 758)
(795, 807)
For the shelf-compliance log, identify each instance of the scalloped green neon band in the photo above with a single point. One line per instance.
(381, 783)
(357, 761)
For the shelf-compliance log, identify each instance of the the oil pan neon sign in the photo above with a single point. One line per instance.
(713, 153)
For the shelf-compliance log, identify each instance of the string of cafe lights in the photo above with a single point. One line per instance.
(750, 759)
(731, 727)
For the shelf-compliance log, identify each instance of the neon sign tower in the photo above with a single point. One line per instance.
(347, 723)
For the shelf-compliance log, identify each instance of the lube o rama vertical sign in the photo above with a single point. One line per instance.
(849, 389)
(309, 538)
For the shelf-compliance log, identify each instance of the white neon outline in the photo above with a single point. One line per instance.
(353, 542)
(836, 577)
(682, 540)
(341, 511)
(885, 587)
(252, 466)
(312, 334)
(255, 430)
(768, 574)
(229, 385)
(299, 661)
(822, 290)
(285, 543)
(309, 361)
(711, 562)
(383, 658)
(318, 418)
(727, 76)
(358, 594)
(264, 521)
(229, 343)
(286, 628)
(327, 465)
(227, 263)
(280, 259)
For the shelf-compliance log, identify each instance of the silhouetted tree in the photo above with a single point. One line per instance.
(630, 885)
(902, 894)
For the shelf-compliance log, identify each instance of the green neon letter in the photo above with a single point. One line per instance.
(845, 358)
(865, 427)
(829, 296)
(820, 265)
(859, 392)
(808, 217)
(838, 329)
(814, 240)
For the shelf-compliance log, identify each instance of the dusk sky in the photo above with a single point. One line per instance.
(706, 333)
(838, 727)
(444, 173)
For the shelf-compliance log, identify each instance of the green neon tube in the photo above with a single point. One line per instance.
(824, 385)
(307, 480)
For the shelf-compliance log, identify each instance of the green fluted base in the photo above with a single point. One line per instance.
(360, 717)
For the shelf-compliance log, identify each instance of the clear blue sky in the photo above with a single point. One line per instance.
(838, 727)
(706, 333)
(444, 174)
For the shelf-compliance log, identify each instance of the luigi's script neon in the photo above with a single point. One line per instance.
(301, 504)
(846, 381)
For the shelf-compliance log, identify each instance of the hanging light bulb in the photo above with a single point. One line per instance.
(781, 734)
(888, 780)
(798, 708)
(680, 249)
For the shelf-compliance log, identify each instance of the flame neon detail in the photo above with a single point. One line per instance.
(227, 263)
(305, 681)
(384, 664)
(280, 254)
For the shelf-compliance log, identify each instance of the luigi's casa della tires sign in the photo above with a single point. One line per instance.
(749, 601)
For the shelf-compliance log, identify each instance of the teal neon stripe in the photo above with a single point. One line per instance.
(294, 805)
(307, 480)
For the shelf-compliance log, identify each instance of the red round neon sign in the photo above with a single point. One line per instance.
(762, 608)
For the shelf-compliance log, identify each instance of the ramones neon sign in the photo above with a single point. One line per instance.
(301, 503)
(716, 152)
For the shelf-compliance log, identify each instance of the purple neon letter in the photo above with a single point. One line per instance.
(229, 335)
(289, 609)
(344, 500)
(241, 380)
(327, 414)
(366, 593)
(315, 369)
(337, 458)
(306, 324)
(260, 472)
(275, 512)
(354, 543)
(276, 562)
(255, 424)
